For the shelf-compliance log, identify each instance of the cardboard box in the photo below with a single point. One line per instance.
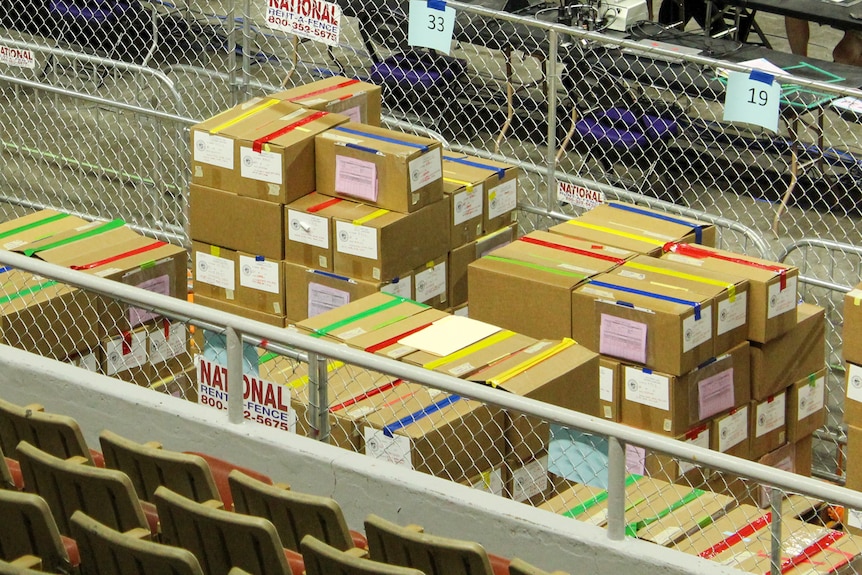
(312, 292)
(693, 509)
(182, 385)
(308, 224)
(527, 482)
(379, 244)
(571, 499)
(806, 406)
(90, 359)
(729, 432)
(752, 554)
(236, 222)
(840, 557)
(358, 100)
(272, 146)
(545, 266)
(465, 210)
(360, 316)
(215, 271)
(432, 283)
(461, 257)
(229, 307)
(804, 450)
(791, 356)
(168, 349)
(490, 481)
(768, 424)
(391, 170)
(385, 339)
(670, 469)
(19, 231)
(718, 535)
(261, 284)
(498, 181)
(644, 498)
(854, 458)
(672, 405)
(772, 291)
(473, 357)
(610, 388)
(655, 328)
(126, 356)
(852, 330)
(635, 228)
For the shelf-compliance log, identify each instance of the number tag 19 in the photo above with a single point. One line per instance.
(752, 98)
(431, 25)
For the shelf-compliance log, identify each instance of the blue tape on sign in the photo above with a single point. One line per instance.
(647, 371)
(761, 76)
(424, 412)
(626, 304)
(707, 362)
(437, 5)
(698, 230)
(500, 171)
(693, 304)
(331, 275)
(259, 258)
(362, 148)
(381, 138)
(5, 269)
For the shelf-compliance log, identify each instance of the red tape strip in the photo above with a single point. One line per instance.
(732, 540)
(328, 89)
(257, 145)
(393, 340)
(123, 255)
(572, 250)
(366, 395)
(323, 205)
(700, 253)
(820, 545)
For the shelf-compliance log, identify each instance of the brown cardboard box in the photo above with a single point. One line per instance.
(791, 356)
(852, 331)
(490, 481)
(634, 228)
(573, 498)
(655, 328)
(465, 210)
(168, 349)
(230, 307)
(772, 293)
(16, 232)
(752, 554)
(643, 499)
(675, 470)
(853, 517)
(474, 357)
(391, 170)
(126, 356)
(768, 424)
(215, 271)
(182, 384)
(498, 181)
(89, 359)
(841, 557)
(308, 224)
(378, 244)
(384, 340)
(730, 432)
(360, 316)
(359, 101)
(527, 482)
(804, 455)
(87, 238)
(806, 406)
(712, 537)
(431, 285)
(461, 257)
(610, 387)
(261, 284)
(545, 266)
(236, 222)
(700, 507)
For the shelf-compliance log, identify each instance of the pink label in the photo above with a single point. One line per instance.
(715, 394)
(160, 285)
(356, 178)
(623, 338)
(635, 459)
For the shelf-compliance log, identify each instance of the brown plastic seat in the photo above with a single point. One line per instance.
(520, 567)
(433, 555)
(149, 466)
(10, 473)
(105, 551)
(14, 568)
(222, 539)
(58, 435)
(28, 528)
(294, 514)
(221, 469)
(106, 495)
(323, 559)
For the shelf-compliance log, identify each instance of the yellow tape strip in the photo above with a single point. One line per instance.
(856, 295)
(215, 251)
(620, 233)
(369, 217)
(481, 344)
(303, 381)
(524, 366)
(731, 289)
(243, 116)
(467, 185)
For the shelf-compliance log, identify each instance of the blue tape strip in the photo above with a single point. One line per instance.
(362, 148)
(698, 230)
(693, 304)
(424, 412)
(331, 275)
(500, 171)
(381, 138)
(625, 303)
(5, 269)
(437, 5)
(259, 258)
(647, 371)
(761, 76)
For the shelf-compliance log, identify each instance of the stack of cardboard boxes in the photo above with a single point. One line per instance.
(852, 354)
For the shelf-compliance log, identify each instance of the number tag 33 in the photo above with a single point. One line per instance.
(431, 25)
(752, 98)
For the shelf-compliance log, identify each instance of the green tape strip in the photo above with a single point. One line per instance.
(112, 225)
(595, 500)
(148, 265)
(266, 357)
(32, 225)
(633, 528)
(537, 267)
(27, 291)
(371, 311)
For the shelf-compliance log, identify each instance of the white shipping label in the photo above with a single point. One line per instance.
(308, 229)
(356, 240)
(90, 362)
(810, 398)
(164, 346)
(733, 314)
(649, 389)
(701, 440)
(401, 288)
(733, 429)
(259, 274)
(213, 150)
(598, 519)
(781, 300)
(264, 166)
(635, 459)
(467, 205)
(666, 536)
(490, 482)
(425, 169)
(323, 298)
(126, 353)
(214, 270)
(854, 518)
(854, 382)
(688, 260)
(606, 384)
(395, 449)
(431, 282)
(770, 415)
(697, 331)
(502, 199)
(530, 480)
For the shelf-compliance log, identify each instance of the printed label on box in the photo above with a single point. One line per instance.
(263, 166)
(354, 113)
(649, 389)
(308, 229)
(697, 331)
(606, 384)
(14, 244)
(577, 269)
(160, 285)
(733, 429)
(425, 169)
(854, 382)
(688, 260)
(126, 353)
(395, 449)
(623, 338)
(89, 361)
(854, 518)
(356, 240)
(733, 314)
(323, 298)
(431, 282)
(357, 178)
(701, 440)
(490, 482)
(402, 288)
(503, 198)
(214, 271)
(781, 300)
(468, 205)
(213, 150)
(770, 415)
(260, 275)
(164, 346)
(635, 459)
(810, 398)
(715, 394)
(666, 536)
(530, 480)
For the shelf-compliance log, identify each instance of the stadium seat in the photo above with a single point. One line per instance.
(10, 473)
(519, 567)
(18, 568)
(323, 559)
(28, 528)
(221, 469)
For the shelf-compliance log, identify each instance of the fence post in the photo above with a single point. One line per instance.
(322, 399)
(775, 496)
(616, 489)
(551, 149)
(313, 413)
(234, 376)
